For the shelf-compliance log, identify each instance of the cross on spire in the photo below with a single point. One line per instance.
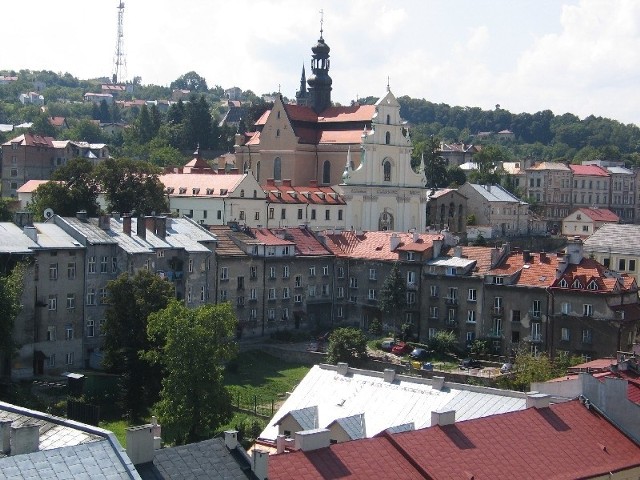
(321, 21)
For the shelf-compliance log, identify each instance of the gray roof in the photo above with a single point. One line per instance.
(52, 236)
(307, 417)
(405, 427)
(386, 404)
(202, 460)
(494, 193)
(615, 238)
(354, 426)
(622, 170)
(67, 449)
(12, 240)
(458, 262)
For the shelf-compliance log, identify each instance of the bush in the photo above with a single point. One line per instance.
(375, 328)
(346, 345)
(443, 342)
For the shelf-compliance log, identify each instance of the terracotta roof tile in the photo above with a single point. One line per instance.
(600, 214)
(306, 243)
(591, 170)
(267, 237)
(482, 255)
(305, 194)
(377, 245)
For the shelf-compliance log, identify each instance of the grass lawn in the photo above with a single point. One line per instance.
(118, 427)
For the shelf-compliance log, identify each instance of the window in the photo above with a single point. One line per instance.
(224, 273)
(114, 265)
(285, 271)
(53, 302)
(327, 214)
(219, 214)
(433, 291)
(253, 294)
(253, 314)
(387, 138)
(241, 216)
(565, 334)
(433, 332)
(340, 272)
(325, 270)
(104, 264)
(563, 283)
(191, 265)
(312, 290)
(68, 332)
(240, 301)
(271, 314)
(498, 280)
(253, 272)
(340, 214)
(587, 310)
(325, 289)
(353, 282)
(53, 271)
(632, 265)
(587, 335)
(433, 313)
(535, 310)
(283, 214)
(471, 336)
(408, 318)
(411, 298)
(271, 251)
(223, 295)
(471, 316)
(285, 292)
(411, 278)
(312, 271)
(91, 329)
(203, 293)
(69, 358)
(451, 315)
(313, 214)
(326, 172)
(257, 216)
(340, 312)
(411, 256)
(240, 283)
(272, 213)
(472, 295)
(91, 296)
(285, 250)
(452, 296)
(71, 300)
(272, 272)
(299, 214)
(277, 169)
(146, 264)
(386, 167)
(536, 329)
(515, 315)
(497, 305)
(340, 292)
(51, 360)
(372, 274)
(285, 314)
(103, 296)
(297, 298)
(101, 325)
(372, 294)
(51, 333)
(622, 263)
(71, 271)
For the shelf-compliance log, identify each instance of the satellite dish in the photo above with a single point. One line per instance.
(48, 213)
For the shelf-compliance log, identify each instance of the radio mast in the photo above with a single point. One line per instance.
(120, 62)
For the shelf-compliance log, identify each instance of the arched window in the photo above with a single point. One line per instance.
(257, 171)
(387, 138)
(388, 119)
(386, 167)
(326, 172)
(277, 169)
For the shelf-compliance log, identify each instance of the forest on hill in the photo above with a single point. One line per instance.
(540, 136)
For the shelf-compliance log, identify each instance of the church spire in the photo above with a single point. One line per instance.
(301, 95)
(320, 82)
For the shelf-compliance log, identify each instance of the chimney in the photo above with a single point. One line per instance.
(443, 417)
(286, 182)
(31, 232)
(574, 250)
(5, 436)
(126, 224)
(271, 182)
(104, 222)
(307, 440)
(260, 463)
(156, 430)
(25, 439)
(543, 256)
(537, 400)
(343, 368)
(150, 223)
(437, 247)
(140, 444)
(394, 240)
(140, 228)
(23, 219)
(281, 442)
(416, 236)
(238, 139)
(561, 267)
(388, 375)
(526, 256)
(457, 251)
(437, 383)
(160, 226)
(82, 215)
(231, 439)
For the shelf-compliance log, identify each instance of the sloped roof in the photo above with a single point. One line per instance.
(549, 166)
(30, 140)
(564, 441)
(353, 426)
(305, 242)
(200, 182)
(615, 238)
(590, 170)
(31, 185)
(306, 417)
(600, 214)
(376, 245)
(494, 193)
(482, 256)
(387, 404)
(304, 194)
(267, 237)
(226, 247)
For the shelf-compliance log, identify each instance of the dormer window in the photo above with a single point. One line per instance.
(209, 191)
(195, 191)
(576, 284)
(498, 281)
(411, 256)
(563, 283)
(182, 190)
(593, 285)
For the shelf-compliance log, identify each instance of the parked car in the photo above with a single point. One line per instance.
(401, 348)
(506, 368)
(387, 345)
(468, 363)
(419, 354)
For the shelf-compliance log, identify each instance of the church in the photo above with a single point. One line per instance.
(362, 151)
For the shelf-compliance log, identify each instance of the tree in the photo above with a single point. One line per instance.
(11, 287)
(6, 212)
(193, 401)
(347, 345)
(393, 296)
(132, 298)
(487, 159)
(190, 81)
(131, 186)
(435, 169)
(443, 342)
(86, 131)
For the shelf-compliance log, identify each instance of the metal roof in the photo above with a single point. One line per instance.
(353, 425)
(458, 262)
(52, 236)
(615, 238)
(388, 404)
(12, 240)
(495, 193)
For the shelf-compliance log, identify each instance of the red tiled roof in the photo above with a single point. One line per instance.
(30, 140)
(267, 237)
(600, 214)
(306, 243)
(57, 121)
(592, 170)
(30, 186)
(376, 245)
(564, 441)
(482, 255)
(305, 194)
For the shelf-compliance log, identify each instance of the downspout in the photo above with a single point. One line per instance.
(264, 286)
(550, 313)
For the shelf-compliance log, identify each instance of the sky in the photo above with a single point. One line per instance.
(577, 56)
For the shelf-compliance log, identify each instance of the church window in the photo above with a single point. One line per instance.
(388, 119)
(387, 170)
(277, 169)
(278, 114)
(387, 138)
(326, 172)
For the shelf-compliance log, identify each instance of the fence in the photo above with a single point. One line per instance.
(83, 412)
(254, 404)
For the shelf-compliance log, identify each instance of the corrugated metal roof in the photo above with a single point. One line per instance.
(384, 404)
(495, 193)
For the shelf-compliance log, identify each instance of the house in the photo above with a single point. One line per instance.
(26, 157)
(617, 247)
(59, 122)
(31, 98)
(549, 185)
(455, 154)
(180, 94)
(98, 97)
(353, 403)
(38, 445)
(493, 206)
(447, 208)
(233, 93)
(590, 186)
(567, 440)
(585, 221)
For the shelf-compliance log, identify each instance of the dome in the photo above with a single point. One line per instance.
(320, 47)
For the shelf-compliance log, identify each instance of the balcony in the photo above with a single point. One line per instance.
(451, 300)
(536, 338)
(498, 311)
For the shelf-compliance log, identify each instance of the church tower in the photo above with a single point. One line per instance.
(302, 95)
(320, 81)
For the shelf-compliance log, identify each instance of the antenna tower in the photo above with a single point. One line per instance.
(119, 60)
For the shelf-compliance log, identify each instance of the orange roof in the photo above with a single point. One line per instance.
(305, 194)
(306, 243)
(31, 186)
(549, 166)
(592, 170)
(200, 182)
(376, 245)
(482, 256)
(600, 214)
(30, 140)
(267, 237)
(57, 121)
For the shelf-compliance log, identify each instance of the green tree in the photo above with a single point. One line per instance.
(488, 159)
(42, 126)
(392, 299)
(193, 400)
(131, 186)
(132, 298)
(190, 81)
(529, 368)
(428, 153)
(443, 342)
(11, 288)
(84, 130)
(347, 345)
(6, 210)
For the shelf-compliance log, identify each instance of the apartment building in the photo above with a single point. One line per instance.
(616, 247)
(590, 186)
(549, 186)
